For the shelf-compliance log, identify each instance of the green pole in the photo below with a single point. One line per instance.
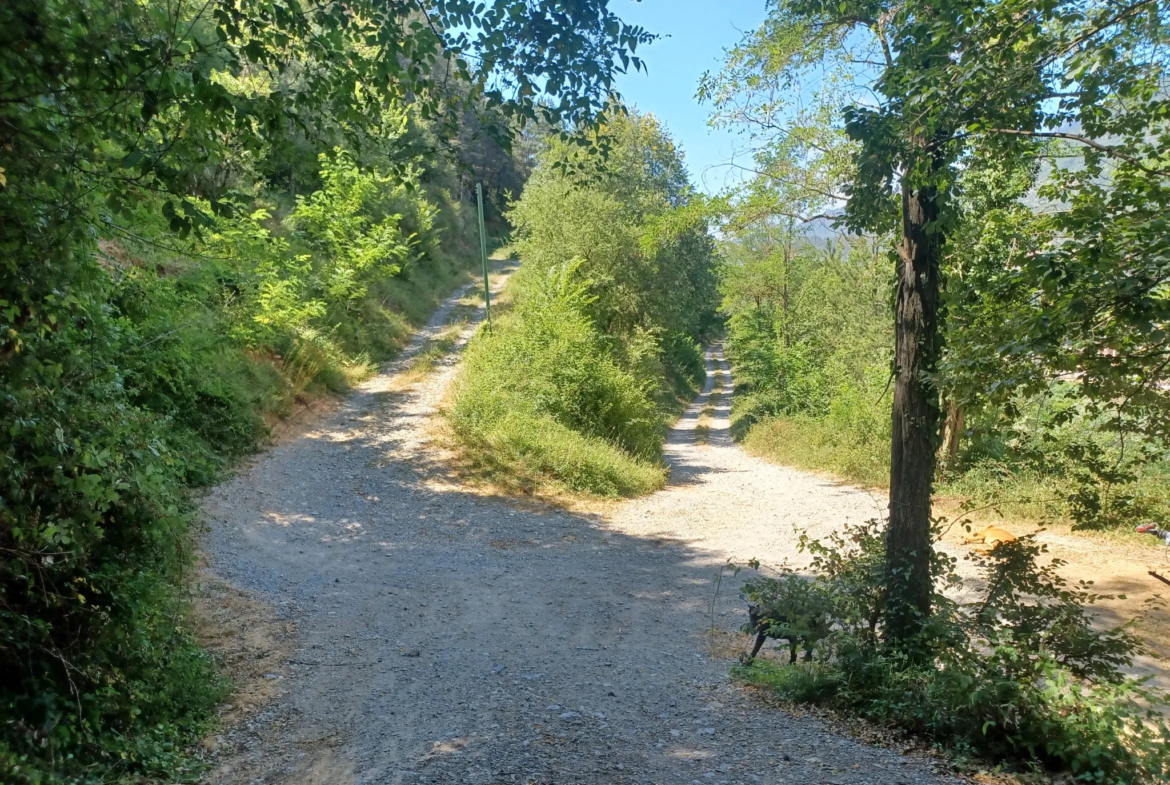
(487, 293)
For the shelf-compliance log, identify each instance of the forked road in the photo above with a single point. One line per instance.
(448, 637)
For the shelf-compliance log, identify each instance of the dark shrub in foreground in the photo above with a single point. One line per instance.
(1017, 674)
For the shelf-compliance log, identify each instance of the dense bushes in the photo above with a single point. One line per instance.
(808, 325)
(541, 396)
(93, 514)
(167, 358)
(1051, 454)
(175, 357)
(575, 386)
(1017, 672)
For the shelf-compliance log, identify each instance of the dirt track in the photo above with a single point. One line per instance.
(443, 636)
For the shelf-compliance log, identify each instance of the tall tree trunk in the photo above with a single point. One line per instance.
(784, 305)
(292, 166)
(948, 454)
(787, 279)
(915, 415)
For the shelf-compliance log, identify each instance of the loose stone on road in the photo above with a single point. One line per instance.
(448, 637)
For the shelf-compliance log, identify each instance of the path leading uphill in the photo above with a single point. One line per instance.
(448, 637)
(723, 503)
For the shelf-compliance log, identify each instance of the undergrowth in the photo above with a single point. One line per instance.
(707, 413)
(175, 359)
(703, 424)
(1017, 673)
(812, 443)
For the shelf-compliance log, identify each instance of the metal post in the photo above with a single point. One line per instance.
(487, 293)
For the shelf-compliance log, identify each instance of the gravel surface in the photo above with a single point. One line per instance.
(448, 637)
(723, 503)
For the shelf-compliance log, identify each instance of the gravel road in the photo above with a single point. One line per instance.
(444, 636)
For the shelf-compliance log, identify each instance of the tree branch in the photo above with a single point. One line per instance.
(1113, 152)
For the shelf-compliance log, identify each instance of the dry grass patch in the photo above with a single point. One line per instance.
(703, 426)
(423, 364)
(727, 644)
(249, 642)
(707, 415)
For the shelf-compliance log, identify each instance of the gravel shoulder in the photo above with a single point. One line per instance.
(444, 636)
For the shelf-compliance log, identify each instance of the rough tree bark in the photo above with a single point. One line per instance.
(915, 415)
(948, 454)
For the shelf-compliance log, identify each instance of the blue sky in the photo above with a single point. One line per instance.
(695, 33)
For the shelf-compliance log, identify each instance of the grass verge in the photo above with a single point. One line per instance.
(703, 426)
(540, 457)
(820, 446)
(541, 407)
(423, 363)
(984, 493)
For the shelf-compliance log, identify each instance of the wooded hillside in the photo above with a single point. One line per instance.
(208, 211)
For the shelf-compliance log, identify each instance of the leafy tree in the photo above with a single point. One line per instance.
(927, 83)
(808, 328)
(633, 220)
(107, 103)
(617, 285)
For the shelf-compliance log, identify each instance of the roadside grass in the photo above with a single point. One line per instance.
(703, 426)
(423, 363)
(508, 421)
(819, 446)
(707, 415)
(541, 458)
(983, 494)
(319, 366)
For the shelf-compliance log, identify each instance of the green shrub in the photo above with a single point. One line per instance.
(851, 439)
(1018, 673)
(790, 608)
(94, 525)
(809, 337)
(685, 363)
(575, 388)
(1053, 454)
(543, 389)
(640, 238)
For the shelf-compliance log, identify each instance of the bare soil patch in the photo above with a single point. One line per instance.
(249, 640)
